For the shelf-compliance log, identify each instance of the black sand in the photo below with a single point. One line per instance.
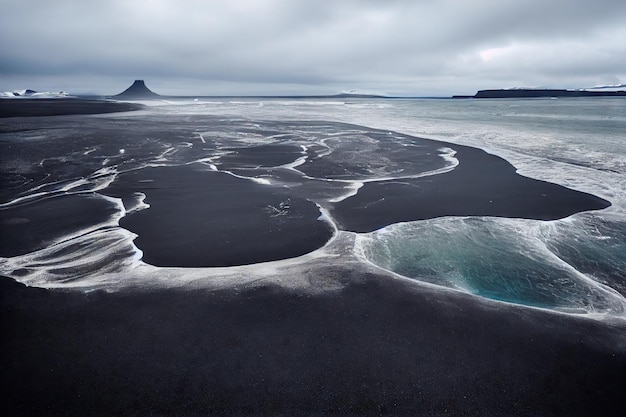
(199, 218)
(377, 347)
(25, 107)
(31, 227)
(481, 185)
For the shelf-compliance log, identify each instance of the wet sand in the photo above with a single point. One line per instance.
(481, 185)
(243, 223)
(200, 218)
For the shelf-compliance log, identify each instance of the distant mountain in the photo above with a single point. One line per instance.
(357, 95)
(137, 90)
(610, 86)
(325, 96)
(542, 92)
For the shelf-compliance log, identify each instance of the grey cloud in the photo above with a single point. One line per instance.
(404, 46)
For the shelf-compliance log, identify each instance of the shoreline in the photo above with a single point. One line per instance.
(39, 107)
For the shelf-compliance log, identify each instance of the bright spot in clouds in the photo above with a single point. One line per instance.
(489, 54)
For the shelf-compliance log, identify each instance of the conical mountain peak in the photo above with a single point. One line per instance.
(137, 90)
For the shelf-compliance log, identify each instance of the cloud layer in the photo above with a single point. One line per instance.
(288, 47)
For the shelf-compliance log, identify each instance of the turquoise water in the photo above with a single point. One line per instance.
(576, 264)
(517, 261)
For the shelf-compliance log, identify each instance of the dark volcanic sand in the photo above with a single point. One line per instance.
(481, 185)
(26, 107)
(377, 347)
(201, 218)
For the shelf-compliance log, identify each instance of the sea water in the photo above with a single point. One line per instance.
(576, 264)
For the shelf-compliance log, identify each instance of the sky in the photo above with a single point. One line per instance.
(282, 47)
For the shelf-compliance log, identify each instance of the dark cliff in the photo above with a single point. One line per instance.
(542, 92)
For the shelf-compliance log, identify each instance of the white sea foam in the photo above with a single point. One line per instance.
(137, 204)
(352, 188)
(77, 261)
(296, 163)
(98, 181)
(263, 181)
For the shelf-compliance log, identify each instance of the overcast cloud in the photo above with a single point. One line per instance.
(203, 47)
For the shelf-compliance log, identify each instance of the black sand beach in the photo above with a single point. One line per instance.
(366, 344)
(32, 107)
(375, 347)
